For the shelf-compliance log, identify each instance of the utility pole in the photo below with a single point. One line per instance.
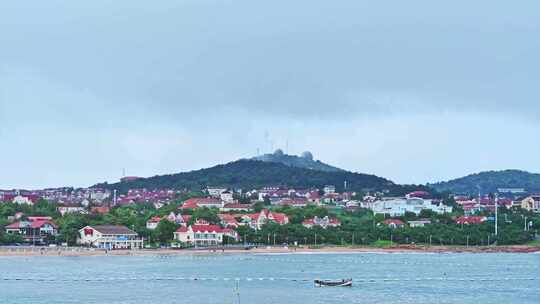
(315, 239)
(496, 213)
(525, 225)
(467, 241)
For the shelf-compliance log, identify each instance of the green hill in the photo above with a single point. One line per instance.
(490, 181)
(253, 174)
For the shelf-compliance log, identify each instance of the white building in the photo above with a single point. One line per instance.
(215, 192)
(419, 223)
(531, 203)
(227, 196)
(66, 209)
(109, 237)
(398, 207)
(203, 235)
(329, 189)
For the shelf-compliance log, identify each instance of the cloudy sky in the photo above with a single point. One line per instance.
(415, 91)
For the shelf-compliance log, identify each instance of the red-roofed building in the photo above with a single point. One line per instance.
(100, 210)
(204, 235)
(228, 220)
(257, 220)
(466, 220)
(293, 202)
(419, 194)
(200, 202)
(324, 222)
(35, 229)
(394, 223)
(27, 199)
(153, 222)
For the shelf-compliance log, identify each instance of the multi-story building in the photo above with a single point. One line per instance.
(204, 235)
(398, 207)
(35, 229)
(109, 237)
(531, 203)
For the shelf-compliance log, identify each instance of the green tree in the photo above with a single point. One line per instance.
(164, 231)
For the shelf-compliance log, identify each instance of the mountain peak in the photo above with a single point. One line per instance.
(305, 161)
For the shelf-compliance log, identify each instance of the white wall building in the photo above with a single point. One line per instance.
(227, 196)
(109, 237)
(329, 189)
(203, 235)
(398, 207)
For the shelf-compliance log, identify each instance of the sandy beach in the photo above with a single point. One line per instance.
(77, 251)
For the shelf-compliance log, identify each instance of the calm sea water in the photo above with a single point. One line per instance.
(287, 278)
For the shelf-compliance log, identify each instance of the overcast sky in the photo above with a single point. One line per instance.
(414, 91)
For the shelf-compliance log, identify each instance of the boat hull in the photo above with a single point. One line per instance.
(326, 283)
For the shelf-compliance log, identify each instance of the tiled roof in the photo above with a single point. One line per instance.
(113, 229)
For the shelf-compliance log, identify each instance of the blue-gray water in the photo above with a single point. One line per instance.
(288, 278)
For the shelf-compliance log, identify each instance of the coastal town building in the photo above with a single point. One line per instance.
(153, 222)
(100, 210)
(71, 208)
(394, 223)
(531, 203)
(204, 235)
(21, 199)
(236, 207)
(470, 220)
(35, 229)
(323, 222)
(229, 220)
(329, 189)
(200, 202)
(419, 223)
(265, 216)
(398, 207)
(109, 237)
(227, 197)
(215, 191)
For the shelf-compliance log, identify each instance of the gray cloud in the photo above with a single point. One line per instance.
(125, 78)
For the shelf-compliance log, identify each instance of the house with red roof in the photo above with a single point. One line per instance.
(204, 235)
(419, 194)
(26, 199)
(293, 202)
(200, 202)
(470, 220)
(35, 229)
(228, 220)
(109, 237)
(394, 223)
(100, 210)
(324, 222)
(265, 216)
(153, 222)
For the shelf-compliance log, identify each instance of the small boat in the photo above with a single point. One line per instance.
(340, 283)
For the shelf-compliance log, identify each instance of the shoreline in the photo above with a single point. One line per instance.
(79, 252)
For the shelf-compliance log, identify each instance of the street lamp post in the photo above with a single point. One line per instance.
(496, 213)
